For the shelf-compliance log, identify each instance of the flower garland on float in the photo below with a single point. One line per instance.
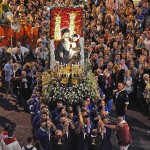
(54, 89)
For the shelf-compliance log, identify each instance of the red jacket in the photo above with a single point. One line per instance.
(123, 134)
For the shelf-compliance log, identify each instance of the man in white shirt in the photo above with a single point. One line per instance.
(18, 57)
(123, 65)
(25, 51)
(41, 51)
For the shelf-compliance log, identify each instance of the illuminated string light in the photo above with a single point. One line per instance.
(72, 23)
(1, 11)
(57, 32)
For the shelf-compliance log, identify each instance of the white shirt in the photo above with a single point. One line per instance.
(2, 136)
(12, 146)
(23, 50)
(41, 53)
(29, 146)
(25, 81)
(128, 84)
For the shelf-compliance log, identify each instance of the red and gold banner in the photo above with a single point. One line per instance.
(70, 18)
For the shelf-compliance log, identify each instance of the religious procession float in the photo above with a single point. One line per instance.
(70, 78)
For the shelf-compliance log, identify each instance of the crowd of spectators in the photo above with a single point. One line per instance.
(117, 41)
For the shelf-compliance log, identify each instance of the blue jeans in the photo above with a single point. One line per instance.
(110, 104)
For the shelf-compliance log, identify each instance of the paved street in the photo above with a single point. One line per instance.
(140, 131)
(10, 113)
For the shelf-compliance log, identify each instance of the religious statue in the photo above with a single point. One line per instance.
(68, 48)
(75, 49)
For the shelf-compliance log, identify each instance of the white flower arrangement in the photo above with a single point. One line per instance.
(53, 89)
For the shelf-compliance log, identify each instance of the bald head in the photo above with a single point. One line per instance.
(18, 44)
(120, 119)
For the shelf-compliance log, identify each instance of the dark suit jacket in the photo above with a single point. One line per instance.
(25, 93)
(16, 59)
(120, 102)
(61, 49)
(140, 83)
(14, 79)
(4, 56)
(108, 90)
(22, 84)
(18, 73)
(118, 78)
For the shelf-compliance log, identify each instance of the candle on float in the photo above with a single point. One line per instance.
(66, 68)
(72, 70)
(61, 67)
(58, 66)
(76, 68)
(62, 70)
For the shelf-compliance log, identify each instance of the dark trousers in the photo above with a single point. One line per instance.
(132, 98)
(24, 95)
(105, 144)
(120, 111)
(145, 107)
(141, 102)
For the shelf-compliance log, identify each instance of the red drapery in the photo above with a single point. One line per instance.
(64, 14)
